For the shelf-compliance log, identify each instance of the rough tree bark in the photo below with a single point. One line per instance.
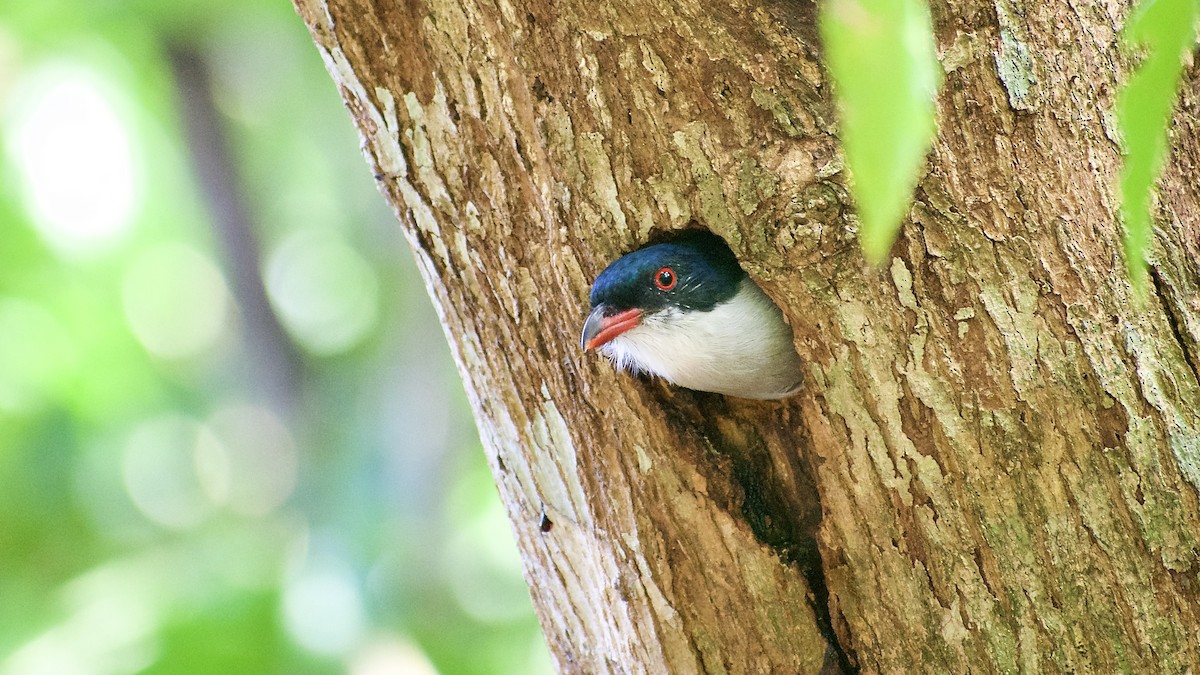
(1002, 448)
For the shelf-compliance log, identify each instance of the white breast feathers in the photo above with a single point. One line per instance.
(742, 347)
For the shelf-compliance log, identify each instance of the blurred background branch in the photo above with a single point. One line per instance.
(274, 365)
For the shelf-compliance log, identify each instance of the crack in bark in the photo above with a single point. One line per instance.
(761, 510)
(765, 510)
(1174, 320)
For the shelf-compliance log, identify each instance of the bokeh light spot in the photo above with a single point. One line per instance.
(262, 458)
(176, 301)
(325, 292)
(323, 612)
(76, 158)
(392, 656)
(173, 467)
(112, 615)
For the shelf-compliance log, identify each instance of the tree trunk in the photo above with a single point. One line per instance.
(997, 448)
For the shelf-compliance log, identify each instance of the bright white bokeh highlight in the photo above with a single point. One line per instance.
(391, 656)
(111, 616)
(176, 301)
(75, 155)
(323, 611)
(325, 292)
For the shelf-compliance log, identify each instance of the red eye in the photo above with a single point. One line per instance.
(665, 279)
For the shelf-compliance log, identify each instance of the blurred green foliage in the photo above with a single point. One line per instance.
(881, 56)
(172, 500)
(1167, 31)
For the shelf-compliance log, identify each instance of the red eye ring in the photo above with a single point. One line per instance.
(665, 279)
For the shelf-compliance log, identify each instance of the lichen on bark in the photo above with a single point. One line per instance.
(1001, 448)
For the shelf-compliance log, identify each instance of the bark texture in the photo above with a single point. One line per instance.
(1001, 447)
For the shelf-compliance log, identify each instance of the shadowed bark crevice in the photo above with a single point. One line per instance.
(1170, 304)
(783, 511)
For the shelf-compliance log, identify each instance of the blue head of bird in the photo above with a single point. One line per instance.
(684, 310)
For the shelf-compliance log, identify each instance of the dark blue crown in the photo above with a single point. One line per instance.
(705, 272)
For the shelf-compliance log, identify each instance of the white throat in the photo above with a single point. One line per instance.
(742, 347)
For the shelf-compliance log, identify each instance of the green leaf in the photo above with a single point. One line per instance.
(881, 56)
(1167, 30)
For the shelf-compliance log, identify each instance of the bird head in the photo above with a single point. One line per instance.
(684, 310)
(694, 272)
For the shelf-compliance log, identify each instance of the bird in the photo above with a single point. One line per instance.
(685, 311)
